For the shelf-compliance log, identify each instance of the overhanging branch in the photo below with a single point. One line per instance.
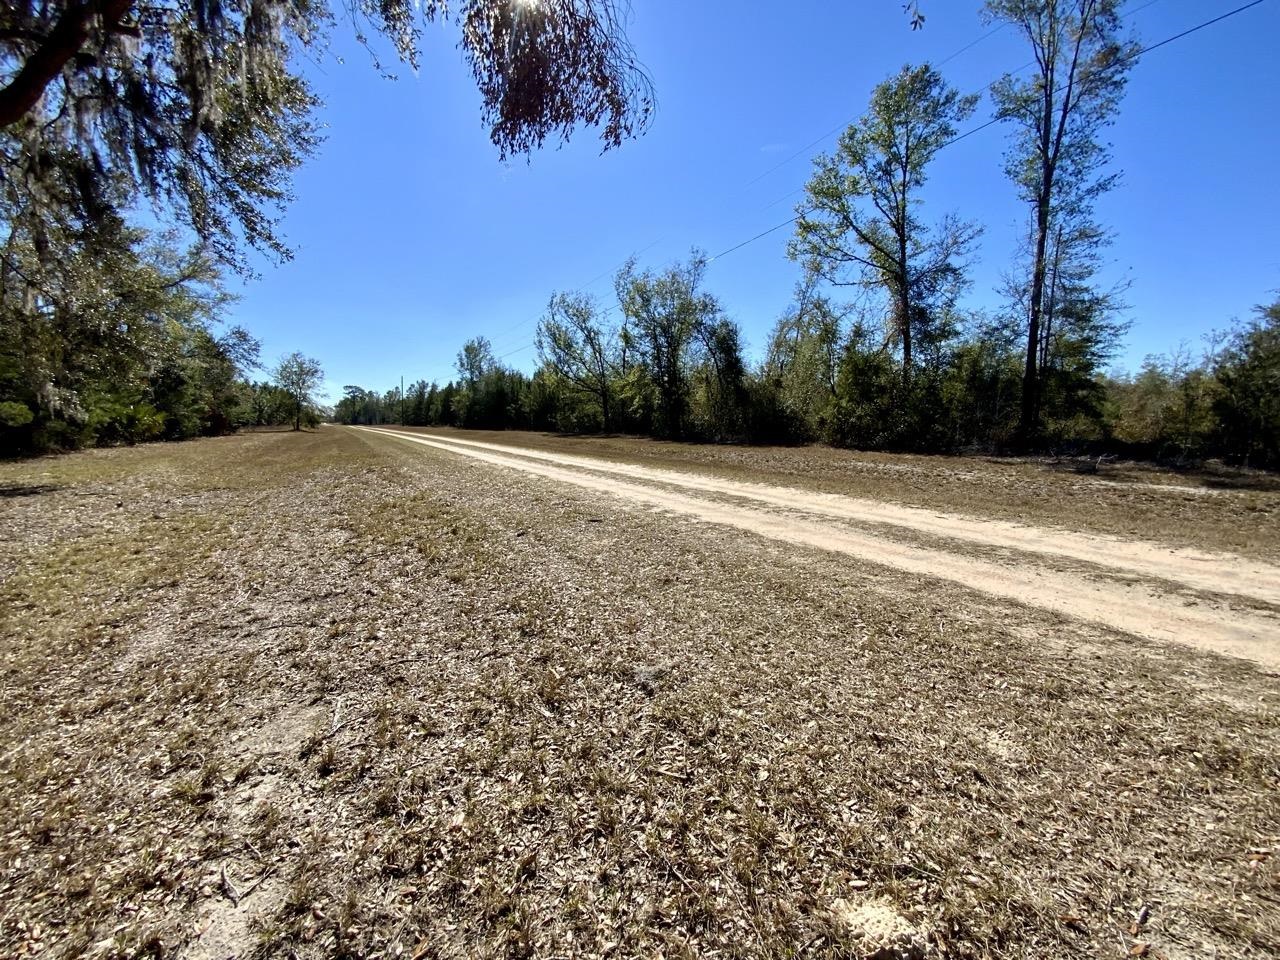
(63, 42)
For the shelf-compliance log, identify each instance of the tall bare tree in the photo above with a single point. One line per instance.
(1081, 66)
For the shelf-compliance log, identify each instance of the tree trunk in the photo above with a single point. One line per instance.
(1050, 310)
(904, 276)
(904, 325)
(1029, 422)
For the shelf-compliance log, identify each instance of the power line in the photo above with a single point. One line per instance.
(507, 331)
(511, 353)
(758, 236)
(969, 133)
(1198, 27)
(1149, 3)
(945, 60)
(809, 146)
(600, 276)
(803, 150)
(969, 46)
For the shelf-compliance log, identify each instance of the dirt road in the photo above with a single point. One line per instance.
(1213, 601)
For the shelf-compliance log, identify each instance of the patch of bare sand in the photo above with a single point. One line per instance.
(234, 900)
(225, 930)
(1146, 610)
(879, 931)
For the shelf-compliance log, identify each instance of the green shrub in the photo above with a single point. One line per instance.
(13, 414)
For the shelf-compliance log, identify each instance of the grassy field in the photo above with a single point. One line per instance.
(328, 694)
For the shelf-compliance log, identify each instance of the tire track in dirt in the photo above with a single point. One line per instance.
(1199, 570)
(1145, 609)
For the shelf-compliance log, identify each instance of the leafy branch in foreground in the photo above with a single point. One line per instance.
(201, 107)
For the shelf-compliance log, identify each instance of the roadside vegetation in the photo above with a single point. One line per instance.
(112, 331)
(824, 379)
(129, 136)
(878, 351)
(130, 344)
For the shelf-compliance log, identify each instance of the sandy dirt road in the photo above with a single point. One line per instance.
(1211, 601)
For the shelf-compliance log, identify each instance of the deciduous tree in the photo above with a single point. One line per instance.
(115, 339)
(475, 360)
(299, 376)
(860, 222)
(803, 357)
(575, 341)
(665, 311)
(1081, 66)
(1248, 407)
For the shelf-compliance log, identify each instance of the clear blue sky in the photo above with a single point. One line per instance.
(411, 236)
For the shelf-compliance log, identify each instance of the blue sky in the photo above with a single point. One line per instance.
(411, 235)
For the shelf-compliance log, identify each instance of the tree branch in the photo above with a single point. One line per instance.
(64, 41)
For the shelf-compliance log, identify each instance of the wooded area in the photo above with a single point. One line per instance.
(680, 374)
(114, 333)
(199, 113)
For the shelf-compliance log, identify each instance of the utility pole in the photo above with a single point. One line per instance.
(402, 399)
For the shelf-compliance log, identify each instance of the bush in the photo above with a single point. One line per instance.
(13, 414)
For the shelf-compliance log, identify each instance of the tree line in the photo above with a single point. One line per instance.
(111, 333)
(199, 113)
(672, 366)
(122, 340)
(876, 350)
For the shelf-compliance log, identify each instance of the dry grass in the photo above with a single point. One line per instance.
(322, 695)
(1221, 509)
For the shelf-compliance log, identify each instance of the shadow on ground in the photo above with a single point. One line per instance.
(26, 489)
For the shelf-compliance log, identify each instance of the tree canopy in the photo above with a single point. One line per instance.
(299, 377)
(861, 212)
(573, 339)
(201, 107)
